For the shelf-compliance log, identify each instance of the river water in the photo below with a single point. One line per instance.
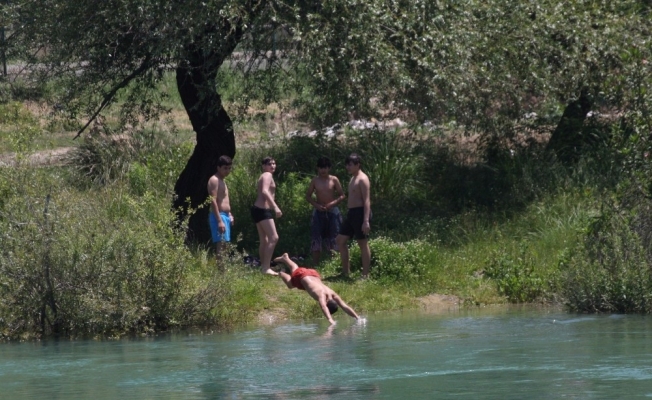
(500, 353)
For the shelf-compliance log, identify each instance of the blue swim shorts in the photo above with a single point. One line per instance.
(215, 232)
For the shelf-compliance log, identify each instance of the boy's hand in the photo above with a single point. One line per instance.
(366, 228)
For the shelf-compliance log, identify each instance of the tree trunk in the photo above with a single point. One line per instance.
(568, 139)
(196, 81)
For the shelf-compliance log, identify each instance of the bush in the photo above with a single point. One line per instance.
(516, 278)
(610, 272)
(108, 264)
(406, 262)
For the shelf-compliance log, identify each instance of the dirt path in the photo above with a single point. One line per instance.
(39, 158)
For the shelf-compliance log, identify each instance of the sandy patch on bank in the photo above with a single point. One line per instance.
(439, 302)
(39, 158)
(432, 303)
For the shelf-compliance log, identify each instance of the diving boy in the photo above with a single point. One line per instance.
(309, 280)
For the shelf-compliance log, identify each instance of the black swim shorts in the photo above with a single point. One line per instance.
(352, 226)
(260, 214)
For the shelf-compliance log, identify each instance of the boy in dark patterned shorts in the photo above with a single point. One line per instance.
(326, 218)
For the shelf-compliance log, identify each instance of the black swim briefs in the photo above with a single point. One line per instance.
(260, 214)
(352, 226)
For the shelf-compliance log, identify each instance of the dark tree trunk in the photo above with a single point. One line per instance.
(196, 81)
(568, 139)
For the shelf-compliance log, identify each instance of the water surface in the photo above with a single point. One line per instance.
(506, 353)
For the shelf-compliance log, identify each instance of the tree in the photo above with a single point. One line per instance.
(482, 64)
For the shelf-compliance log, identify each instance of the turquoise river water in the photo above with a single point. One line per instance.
(502, 353)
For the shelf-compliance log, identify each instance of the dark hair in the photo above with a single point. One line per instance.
(332, 306)
(354, 158)
(324, 162)
(224, 160)
(267, 160)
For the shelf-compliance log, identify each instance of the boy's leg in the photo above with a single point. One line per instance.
(334, 226)
(315, 237)
(219, 249)
(365, 253)
(266, 249)
(287, 261)
(344, 254)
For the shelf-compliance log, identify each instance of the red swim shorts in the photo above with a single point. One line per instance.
(301, 273)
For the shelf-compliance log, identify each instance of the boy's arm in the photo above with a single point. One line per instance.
(339, 191)
(212, 187)
(345, 307)
(324, 309)
(309, 192)
(366, 199)
(286, 279)
(266, 182)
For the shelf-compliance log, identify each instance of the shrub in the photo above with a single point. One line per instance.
(516, 278)
(610, 271)
(107, 264)
(406, 262)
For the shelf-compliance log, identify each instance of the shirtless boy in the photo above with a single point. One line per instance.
(309, 280)
(263, 212)
(326, 218)
(220, 218)
(357, 220)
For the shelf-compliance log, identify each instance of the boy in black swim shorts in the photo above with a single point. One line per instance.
(357, 223)
(352, 226)
(263, 212)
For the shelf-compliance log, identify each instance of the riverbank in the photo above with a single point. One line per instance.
(94, 251)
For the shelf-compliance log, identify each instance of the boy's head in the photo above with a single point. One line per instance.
(224, 164)
(268, 161)
(354, 159)
(353, 163)
(332, 306)
(324, 162)
(224, 160)
(269, 165)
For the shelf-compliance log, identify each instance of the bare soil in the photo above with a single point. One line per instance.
(40, 158)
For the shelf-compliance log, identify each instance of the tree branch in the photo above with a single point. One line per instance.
(111, 94)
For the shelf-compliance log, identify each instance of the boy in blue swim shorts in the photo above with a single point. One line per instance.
(220, 218)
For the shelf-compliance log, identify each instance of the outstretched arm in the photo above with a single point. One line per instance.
(345, 307)
(286, 279)
(324, 309)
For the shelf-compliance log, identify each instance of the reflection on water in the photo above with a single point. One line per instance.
(503, 353)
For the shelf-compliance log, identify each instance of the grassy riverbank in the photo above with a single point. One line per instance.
(91, 247)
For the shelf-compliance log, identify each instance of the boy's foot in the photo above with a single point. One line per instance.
(281, 258)
(268, 271)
